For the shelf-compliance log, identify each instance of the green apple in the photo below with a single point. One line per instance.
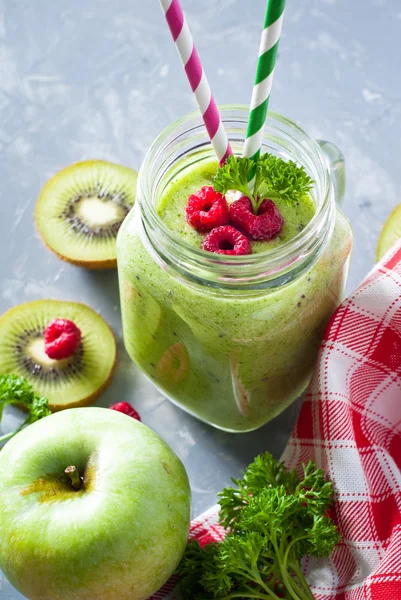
(114, 528)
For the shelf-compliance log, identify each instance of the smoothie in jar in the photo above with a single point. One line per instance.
(234, 355)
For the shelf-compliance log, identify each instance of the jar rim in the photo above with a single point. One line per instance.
(268, 264)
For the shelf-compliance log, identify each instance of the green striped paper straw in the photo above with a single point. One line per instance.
(264, 77)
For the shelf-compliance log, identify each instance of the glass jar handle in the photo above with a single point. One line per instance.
(336, 164)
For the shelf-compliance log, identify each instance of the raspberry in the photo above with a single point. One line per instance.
(127, 409)
(207, 209)
(227, 240)
(62, 338)
(263, 226)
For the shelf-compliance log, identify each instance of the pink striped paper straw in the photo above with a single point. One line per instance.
(197, 79)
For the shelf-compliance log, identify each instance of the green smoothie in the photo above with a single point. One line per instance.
(233, 360)
(172, 205)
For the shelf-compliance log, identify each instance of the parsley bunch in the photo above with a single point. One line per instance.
(17, 390)
(274, 178)
(273, 518)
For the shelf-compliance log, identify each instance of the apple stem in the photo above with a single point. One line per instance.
(73, 474)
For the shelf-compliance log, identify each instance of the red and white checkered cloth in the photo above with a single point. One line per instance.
(350, 425)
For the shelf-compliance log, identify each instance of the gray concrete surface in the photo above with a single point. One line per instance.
(100, 79)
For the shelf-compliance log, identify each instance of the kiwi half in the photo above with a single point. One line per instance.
(80, 210)
(74, 381)
(390, 233)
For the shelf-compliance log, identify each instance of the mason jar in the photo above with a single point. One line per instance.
(231, 340)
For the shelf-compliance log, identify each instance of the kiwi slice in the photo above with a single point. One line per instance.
(142, 313)
(80, 210)
(173, 367)
(74, 381)
(390, 233)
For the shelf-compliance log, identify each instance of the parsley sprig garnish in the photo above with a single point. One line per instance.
(273, 518)
(17, 390)
(274, 178)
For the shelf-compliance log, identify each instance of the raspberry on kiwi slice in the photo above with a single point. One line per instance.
(80, 210)
(74, 381)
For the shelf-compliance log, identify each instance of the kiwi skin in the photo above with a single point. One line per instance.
(95, 265)
(92, 397)
(85, 401)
